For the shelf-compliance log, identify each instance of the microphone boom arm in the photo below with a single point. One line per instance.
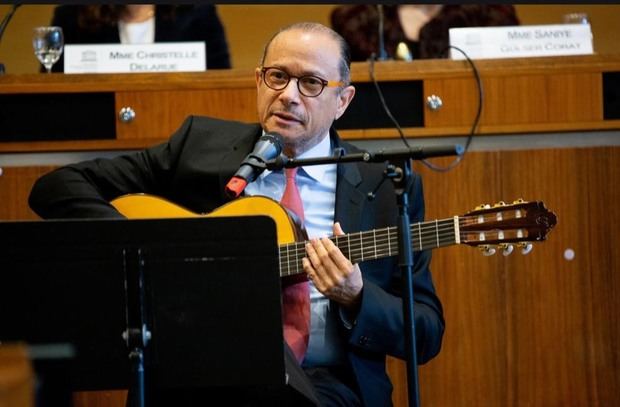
(417, 153)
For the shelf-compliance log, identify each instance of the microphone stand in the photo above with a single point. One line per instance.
(382, 52)
(401, 177)
(137, 334)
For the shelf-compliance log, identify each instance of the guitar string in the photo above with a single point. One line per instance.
(428, 233)
(361, 250)
(380, 237)
(354, 256)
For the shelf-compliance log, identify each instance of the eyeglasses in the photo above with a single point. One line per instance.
(308, 85)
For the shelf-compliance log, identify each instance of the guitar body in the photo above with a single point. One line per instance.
(144, 206)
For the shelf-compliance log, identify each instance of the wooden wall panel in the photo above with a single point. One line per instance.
(575, 97)
(458, 273)
(15, 186)
(546, 292)
(170, 108)
(17, 381)
(113, 398)
(517, 100)
(603, 175)
(571, 317)
(535, 330)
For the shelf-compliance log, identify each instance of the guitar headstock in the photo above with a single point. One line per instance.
(504, 226)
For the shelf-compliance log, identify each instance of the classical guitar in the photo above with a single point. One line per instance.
(501, 226)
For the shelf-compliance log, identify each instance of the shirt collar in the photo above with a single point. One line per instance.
(322, 149)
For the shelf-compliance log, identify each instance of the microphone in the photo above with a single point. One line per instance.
(268, 147)
(3, 25)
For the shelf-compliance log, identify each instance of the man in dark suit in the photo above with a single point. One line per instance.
(356, 309)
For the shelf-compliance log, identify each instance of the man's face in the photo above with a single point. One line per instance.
(302, 120)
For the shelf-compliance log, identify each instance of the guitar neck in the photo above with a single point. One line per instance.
(376, 243)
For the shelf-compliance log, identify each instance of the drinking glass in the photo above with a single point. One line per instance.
(576, 18)
(48, 44)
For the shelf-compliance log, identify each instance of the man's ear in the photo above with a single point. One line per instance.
(345, 97)
(257, 75)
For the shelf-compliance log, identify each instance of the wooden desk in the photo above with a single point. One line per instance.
(520, 96)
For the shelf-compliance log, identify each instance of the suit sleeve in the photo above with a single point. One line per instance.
(379, 326)
(85, 189)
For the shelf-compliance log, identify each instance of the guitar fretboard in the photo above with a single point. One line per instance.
(376, 243)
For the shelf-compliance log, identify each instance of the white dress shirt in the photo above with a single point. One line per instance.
(317, 187)
(137, 33)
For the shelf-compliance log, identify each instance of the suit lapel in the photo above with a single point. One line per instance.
(230, 160)
(349, 198)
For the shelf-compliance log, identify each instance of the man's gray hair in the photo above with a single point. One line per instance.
(345, 53)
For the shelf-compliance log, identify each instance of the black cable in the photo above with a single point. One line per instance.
(3, 25)
(475, 123)
(371, 71)
(7, 19)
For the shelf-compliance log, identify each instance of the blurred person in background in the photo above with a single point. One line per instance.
(144, 24)
(421, 29)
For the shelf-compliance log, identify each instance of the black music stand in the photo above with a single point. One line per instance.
(205, 292)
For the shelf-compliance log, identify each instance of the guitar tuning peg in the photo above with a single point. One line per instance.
(487, 250)
(507, 249)
(518, 201)
(526, 247)
(481, 206)
(500, 203)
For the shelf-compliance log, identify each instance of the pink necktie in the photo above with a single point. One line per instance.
(295, 297)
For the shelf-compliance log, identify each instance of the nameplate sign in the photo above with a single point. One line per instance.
(129, 58)
(521, 41)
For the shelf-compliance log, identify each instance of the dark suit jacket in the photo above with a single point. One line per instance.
(192, 169)
(190, 23)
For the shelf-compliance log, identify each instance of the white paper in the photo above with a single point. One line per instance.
(521, 41)
(130, 58)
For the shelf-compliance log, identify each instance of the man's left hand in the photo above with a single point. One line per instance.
(331, 272)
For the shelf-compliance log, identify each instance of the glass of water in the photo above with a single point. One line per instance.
(48, 43)
(576, 18)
